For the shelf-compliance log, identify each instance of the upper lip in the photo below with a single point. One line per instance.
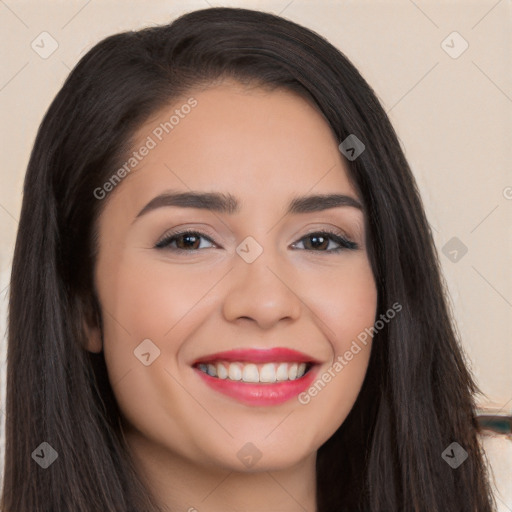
(259, 355)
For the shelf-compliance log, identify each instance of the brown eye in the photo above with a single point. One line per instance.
(184, 241)
(319, 242)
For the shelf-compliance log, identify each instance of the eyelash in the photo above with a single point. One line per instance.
(345, 243)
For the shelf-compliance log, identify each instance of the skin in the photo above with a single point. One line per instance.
(264, 147)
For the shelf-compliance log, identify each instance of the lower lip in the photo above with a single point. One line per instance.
(260, 394)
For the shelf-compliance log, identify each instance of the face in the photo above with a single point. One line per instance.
(216, 340)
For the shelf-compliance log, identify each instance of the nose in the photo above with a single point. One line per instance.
(261, 292)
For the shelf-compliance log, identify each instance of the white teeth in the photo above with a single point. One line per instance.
(268, 373)
(250, 372)
(222, 373)
(235, 372)
(282, 372)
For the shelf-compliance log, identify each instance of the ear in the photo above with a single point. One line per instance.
(92, 327)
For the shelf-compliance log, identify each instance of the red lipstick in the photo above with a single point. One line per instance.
(272, 381)
(256, 355)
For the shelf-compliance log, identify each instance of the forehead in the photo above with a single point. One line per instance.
(249, 141)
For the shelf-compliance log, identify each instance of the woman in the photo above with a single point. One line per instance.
(245, 372)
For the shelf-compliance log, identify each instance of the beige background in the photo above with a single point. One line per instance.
(453, 114)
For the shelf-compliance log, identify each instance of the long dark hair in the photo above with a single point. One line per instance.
(418, 396)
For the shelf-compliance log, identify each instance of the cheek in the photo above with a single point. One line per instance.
(149, 300)
(346, 302)
(345, 307)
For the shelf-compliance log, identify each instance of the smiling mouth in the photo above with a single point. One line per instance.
(258, 377)
(265, 373)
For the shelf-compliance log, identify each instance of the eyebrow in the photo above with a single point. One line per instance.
(228, 204)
